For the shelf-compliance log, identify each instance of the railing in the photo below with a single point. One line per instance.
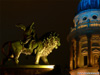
(86, 25)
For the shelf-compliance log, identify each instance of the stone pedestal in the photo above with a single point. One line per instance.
(30, 70)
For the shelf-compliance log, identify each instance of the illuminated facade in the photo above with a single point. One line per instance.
(85, 36)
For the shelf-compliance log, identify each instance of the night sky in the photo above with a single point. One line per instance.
(48, 15)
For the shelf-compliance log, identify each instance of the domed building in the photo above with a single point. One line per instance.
(84, 37)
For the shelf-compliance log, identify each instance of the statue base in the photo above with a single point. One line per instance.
(30, 70)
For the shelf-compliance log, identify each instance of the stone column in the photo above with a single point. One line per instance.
(71, 55)
(77, 52)
(89, 51)
(74, 54)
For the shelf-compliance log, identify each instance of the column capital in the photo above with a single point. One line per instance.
(89, 36)
(71, 55)
(77, 52)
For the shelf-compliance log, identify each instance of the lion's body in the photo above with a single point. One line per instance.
(41, 48)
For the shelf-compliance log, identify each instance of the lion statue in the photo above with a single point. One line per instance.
(41, 48)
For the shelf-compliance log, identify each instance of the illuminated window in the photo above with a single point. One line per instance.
(94, 17)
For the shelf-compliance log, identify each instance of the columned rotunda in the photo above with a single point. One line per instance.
(84, 37)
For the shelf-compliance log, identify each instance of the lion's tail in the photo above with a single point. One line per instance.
(9, 46)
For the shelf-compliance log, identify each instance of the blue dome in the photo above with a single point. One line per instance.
(88, 4)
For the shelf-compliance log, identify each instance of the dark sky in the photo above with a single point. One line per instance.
(48, 15)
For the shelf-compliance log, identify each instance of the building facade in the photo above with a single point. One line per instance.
(84, 38)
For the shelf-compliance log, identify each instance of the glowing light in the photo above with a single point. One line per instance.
(41, 66)
(82, 26)
(86, 26)
(33, 66)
